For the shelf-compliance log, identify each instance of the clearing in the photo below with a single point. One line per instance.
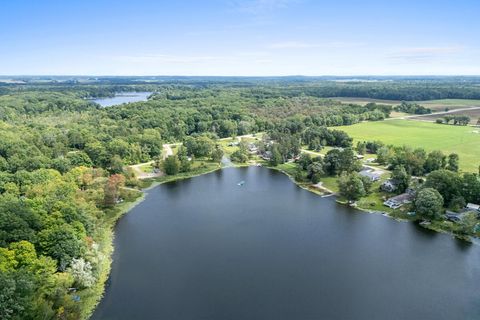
(464, 141)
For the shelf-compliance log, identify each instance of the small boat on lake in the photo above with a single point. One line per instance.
(241, 183)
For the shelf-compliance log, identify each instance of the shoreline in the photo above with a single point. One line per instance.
(99, 288)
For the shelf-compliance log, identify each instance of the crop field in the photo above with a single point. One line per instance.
(435, 105)
(440, 105)
(431, 136)
(364, 101)
(474, 115)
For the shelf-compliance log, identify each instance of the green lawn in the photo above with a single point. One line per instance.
(462, 140)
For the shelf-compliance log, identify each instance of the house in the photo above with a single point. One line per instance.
(373, 175)
(473, 206)
(389, 186)
(453, 216)
(267, 155)
(398, 201)
(252, 148)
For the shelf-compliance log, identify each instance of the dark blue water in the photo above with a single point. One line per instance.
(124, 97)
(206, 248)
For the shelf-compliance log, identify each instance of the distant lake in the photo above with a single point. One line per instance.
(124, 97)
(207, 248)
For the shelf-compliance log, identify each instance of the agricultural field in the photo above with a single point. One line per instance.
(435, 105)
(364, 101)
(431, 136)
(473, 113)
(451, 104)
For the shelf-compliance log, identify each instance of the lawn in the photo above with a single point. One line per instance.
(431, 136)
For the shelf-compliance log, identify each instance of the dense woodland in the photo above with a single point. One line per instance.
(63, 158)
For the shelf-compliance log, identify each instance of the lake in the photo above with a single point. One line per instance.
(207, 248)
(123, 97)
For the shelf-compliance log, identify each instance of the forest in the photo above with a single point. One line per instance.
(63, 161)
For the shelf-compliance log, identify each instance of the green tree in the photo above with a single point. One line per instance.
(276, 157)
(401, 178)
(315, 171)
(351, 186)
(61, 242)
(429, 203)
(453, 162)
(171, 165)
(436, 160)
(446, 182)
(217, 154)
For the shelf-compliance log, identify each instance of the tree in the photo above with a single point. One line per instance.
(61, 242)
(171, 165)
(351, 186)
(315, 171)
(185, 160)
(428, 203)
(240, 156)
(276, 157)
(470, 187)
(347, 161)
(82, 272)
(217, 154)
(401, 178)
(361, 147)
(457, 203)
(383, 155)
(200, 146)
(116, 165)
(447, 183)
(112, 189)
(453, 162)
(304, 161)
(436, 160)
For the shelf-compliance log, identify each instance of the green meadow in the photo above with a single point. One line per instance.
(465, 141)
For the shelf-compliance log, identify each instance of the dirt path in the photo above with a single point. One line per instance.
(137, 168)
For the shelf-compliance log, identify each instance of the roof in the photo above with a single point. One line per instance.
(390, 182)
(371, 173)
(473, 206)
(402, 198)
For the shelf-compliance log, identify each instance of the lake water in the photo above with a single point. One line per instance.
(206, 248)
(124, 97)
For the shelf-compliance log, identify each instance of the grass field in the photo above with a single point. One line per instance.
(431, 136)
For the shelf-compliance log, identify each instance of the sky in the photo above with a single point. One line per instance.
(240, 38)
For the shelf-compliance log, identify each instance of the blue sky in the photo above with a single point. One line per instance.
(233, 37)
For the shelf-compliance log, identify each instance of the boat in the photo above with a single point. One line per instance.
(241, 183)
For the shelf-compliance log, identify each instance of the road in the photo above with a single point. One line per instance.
(434, 113)
(167, 151)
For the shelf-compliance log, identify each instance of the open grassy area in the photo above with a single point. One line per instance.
(430, 136)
